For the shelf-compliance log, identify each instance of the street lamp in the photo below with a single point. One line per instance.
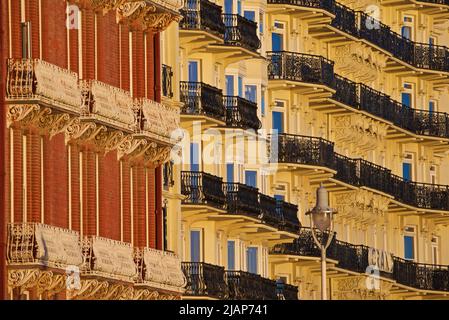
(321, 218)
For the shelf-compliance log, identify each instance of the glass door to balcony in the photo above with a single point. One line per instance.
(229, 6)
(251, 178)
(251, 259)
(278, 122)
(277, 41)
(195, 168)
(231, 255)
(229, 85)
(195, 246)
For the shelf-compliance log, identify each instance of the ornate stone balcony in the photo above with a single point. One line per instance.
(45, 258)
(54, 99)
(312, 151)
(312, 69)
(145, 15)
(357, 258)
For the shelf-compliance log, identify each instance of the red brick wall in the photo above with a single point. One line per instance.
(55, 181)
(108, 37)
(113, 68)
(109, 179)
(4, 208)
(75, 186)
(54, 32)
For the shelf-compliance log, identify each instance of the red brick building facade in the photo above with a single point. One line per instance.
(83, 139)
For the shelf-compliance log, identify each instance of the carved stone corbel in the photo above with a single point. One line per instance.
(157, 155)
(133, 146)
(145, 16)
(82, 130)
(109, 140)
(22, 113)
(23, 278)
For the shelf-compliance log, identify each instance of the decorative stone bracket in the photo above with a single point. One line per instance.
(144, 15)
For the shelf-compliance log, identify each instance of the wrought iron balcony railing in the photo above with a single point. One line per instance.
(202, 188)
(287, 291)
(242, 199)
(290, 148)
(249, 286)
(240, 31)
(289, 214)
(361, 25)
(241, 113)
(313, 69)
(300, 67)
(205, 189)
(357, 172)
(420, 275)
(167, 81)
(203, 15)
(355, 258)
(167, 175)
(268, 210)
(202, 99)
(204, 279)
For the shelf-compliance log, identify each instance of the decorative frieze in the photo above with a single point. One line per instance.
(361, 206)
(360, 288)
(359, 61)
(358, 133)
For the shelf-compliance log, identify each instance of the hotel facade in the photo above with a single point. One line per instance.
(191, 136)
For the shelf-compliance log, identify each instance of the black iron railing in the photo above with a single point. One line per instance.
(202, 15)
(205, 279)
(202, 99)
(202, 188)
(287, 291)
(420, 275)
(167, 175)
(300, 67)
(167, 81)
(313, 69)
(355, 258)
(240, 31)
(241, 113)
(292, 148)
(268, 210)
(248, 286)
(361, 25)
(288, 148)
(289, 214)
(242, 199)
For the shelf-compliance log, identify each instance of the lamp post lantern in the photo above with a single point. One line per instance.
(321, 218)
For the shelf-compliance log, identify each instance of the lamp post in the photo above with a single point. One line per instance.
(321, 218)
